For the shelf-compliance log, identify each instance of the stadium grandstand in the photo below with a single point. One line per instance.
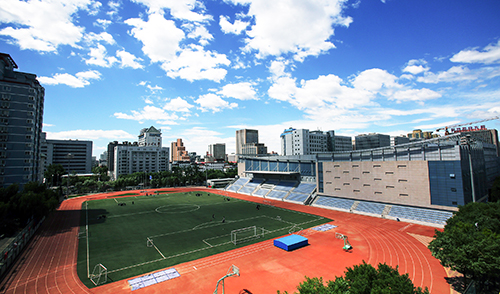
(422, 181)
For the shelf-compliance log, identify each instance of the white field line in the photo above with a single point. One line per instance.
(87, 235)
(207, 243)
(115, 200)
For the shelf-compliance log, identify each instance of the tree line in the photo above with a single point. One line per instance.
(190, 175)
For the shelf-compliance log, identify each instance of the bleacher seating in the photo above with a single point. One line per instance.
(334, 202)
(299, 197)
(306, 188)
(420, 214)
(272, 182)
(277, 194)
(285, 185)
(241, 181)
(370, 207)
(247, 190)
(261, 192)
(233, 188)
(254, 182)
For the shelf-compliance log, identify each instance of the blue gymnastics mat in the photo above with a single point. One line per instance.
(291, 242)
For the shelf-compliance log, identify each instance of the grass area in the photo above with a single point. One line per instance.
(183, 227)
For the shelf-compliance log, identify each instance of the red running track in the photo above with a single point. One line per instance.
(49, 263)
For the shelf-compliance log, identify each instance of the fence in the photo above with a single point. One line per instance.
(16, 245)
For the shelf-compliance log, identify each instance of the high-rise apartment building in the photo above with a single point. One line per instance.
(75, 156)
(372, 140)
(245, 136)
(21, 118)
(303, 142)
(179, 153)
(147, 155)
(150, 137)
(217, 151)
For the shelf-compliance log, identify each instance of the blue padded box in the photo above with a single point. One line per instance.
(291, 242)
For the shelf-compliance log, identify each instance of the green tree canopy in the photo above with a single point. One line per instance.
(470, 242)
(363, 279)
(53, 174)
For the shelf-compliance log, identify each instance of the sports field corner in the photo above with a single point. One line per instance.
(49, 264)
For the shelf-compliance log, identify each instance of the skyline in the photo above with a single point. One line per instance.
(200, 70)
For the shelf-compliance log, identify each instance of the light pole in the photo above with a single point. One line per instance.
(69, 157)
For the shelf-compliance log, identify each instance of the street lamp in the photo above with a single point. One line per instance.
(69, 156)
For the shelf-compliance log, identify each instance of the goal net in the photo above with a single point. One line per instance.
(149, 242)
(99, 275)
(246, 234)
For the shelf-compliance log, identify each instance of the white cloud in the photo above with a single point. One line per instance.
(212, 102)
(94, 38)
(241, 91)
(196, 64)
(103, 23)
(159, 36)
(454, 74)
(99, 57)
(128, 60)
(79, 80)
(277, 68)
(490, 54)
(190, 10)
(374, 79)
(90, 135)
(232, 28)
(416, 67)
(196, 31)
(149, 112)
(42, 25)
(279, 26)
(178, 104)
(418, 95)
(153, 89)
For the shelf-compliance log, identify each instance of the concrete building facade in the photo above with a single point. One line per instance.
(75, 156)
(217, 151)
(303, 142)
(21, 119)
(372, 140)
(130, 159)
(245, 136)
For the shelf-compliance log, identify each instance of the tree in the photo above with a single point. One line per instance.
(495, 191)
(470, 243)
(102, 171)
(363, 279)
(53, 174)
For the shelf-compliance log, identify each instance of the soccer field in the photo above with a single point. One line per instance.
(135, 235)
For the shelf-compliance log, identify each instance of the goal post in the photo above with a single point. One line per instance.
(149, 242)
(99, 275)
(246, 234)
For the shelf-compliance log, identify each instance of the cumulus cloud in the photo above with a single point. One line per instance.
(214, 103)
(128, 60)
(178, 104)
(160, 37)
(197, 64)
(99, 57)
(232, 28)
(241, 91)
(416, 67)
(42, 25)
(279, 26)
(490, 54)
(149, 112)
(189, 10)
(78, 80)
(454, 74)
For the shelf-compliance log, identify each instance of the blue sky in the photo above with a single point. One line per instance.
(200, 70)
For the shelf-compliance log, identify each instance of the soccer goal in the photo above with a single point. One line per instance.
(149, 242)
(246, 234)
(99, 275)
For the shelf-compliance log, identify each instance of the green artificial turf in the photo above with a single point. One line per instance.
(183, 227)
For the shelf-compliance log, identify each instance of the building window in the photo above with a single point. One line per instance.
(355, 191)
(346, 172)
(377, 179)
(366, 172)
(389, 173)
(453, 189)
(6, 88)
(355, 165)
(376, 165)
(452, 176)
(389, 187)
(402, 166)
(377, 192)
(403, 195)
(366, 185)
(402, 180)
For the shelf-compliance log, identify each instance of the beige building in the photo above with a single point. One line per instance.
(179, 152)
